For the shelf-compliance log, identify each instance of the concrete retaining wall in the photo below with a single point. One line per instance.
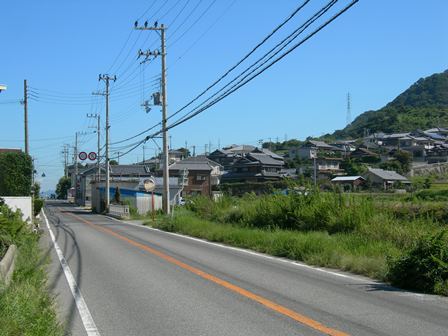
(7, 264)
(21, 203)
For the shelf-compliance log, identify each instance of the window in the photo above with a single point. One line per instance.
(201, 178)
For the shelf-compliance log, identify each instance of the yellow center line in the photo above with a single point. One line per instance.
(236, 289)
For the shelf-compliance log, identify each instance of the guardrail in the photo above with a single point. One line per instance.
(7, 264)
(120, 211)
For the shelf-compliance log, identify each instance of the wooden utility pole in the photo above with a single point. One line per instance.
(98, 132)
(75, 156)
(25, 110)
(106, 78)
(65, 152)
(166, 187)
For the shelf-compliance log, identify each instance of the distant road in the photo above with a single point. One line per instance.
(138, 281)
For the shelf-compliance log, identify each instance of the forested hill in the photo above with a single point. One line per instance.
(421, 106)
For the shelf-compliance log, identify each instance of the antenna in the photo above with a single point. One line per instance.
(349, 110)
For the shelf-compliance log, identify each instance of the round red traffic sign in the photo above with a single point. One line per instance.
(82, 156)
(92, 156)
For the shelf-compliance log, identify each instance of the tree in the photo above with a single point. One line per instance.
(62, 187)
(405, 160)
(15, 174)
(113, 163)
(401, 162)
(117, 195)
(36, 189)
(352, 167)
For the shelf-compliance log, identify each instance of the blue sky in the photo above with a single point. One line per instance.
(374, 51)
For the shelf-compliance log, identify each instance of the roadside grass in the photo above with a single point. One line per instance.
(349, 252)
(26, 307)
(359, 234)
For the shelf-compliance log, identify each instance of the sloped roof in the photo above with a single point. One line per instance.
(395, 135)
(267, 152)
(221, 151)
(364, 151)
(10, 150)
(200, 162)
(347, 178)
(436, 129)
(321, 144)
(434, 136)
(264, 159)
(240, 148)
(130, 170)
(388, 175)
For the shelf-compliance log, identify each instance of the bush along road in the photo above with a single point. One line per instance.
(404, 242)
(26, 307)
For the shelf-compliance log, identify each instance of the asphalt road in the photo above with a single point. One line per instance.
(138, 281)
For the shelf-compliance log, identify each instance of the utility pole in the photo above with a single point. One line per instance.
(98, 132)
(143, 154)
(106, 78)
(25, 110)
(75, 156)
(65, 152)
(166, 187)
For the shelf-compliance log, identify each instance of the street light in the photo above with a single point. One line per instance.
(3, 87)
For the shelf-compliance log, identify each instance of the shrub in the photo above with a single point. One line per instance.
(11, 225)
(315, 211)
(432, 195)
(424, 267)
(38, 204)
(15, 174)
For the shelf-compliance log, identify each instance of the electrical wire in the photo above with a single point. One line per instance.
(193, 24)
(241, 83)
(245, 57)
(247, 80)
(280, 46)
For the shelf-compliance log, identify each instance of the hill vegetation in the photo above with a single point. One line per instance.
(421, 106)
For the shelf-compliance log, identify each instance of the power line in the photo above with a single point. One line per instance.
(204, 33)
(193, 24)
(243, 82)
(222, 77)
(280, 46)
(247, 78)
(244, 57)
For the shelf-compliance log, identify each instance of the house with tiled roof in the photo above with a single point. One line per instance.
(202, 174)
(313, 148)
(254, 167)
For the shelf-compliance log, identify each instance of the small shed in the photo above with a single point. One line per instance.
(385, 178)
(349, 182)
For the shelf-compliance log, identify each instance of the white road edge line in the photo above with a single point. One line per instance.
(258, 254)
(84, 312)
(282, 260)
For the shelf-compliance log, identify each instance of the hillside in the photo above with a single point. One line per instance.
(423, 105)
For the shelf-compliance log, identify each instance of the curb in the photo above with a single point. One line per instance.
(7, 264)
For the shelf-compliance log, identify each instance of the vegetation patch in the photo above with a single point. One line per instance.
(26, 308)
(350, 252)
(356, 233)
(423, 267)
